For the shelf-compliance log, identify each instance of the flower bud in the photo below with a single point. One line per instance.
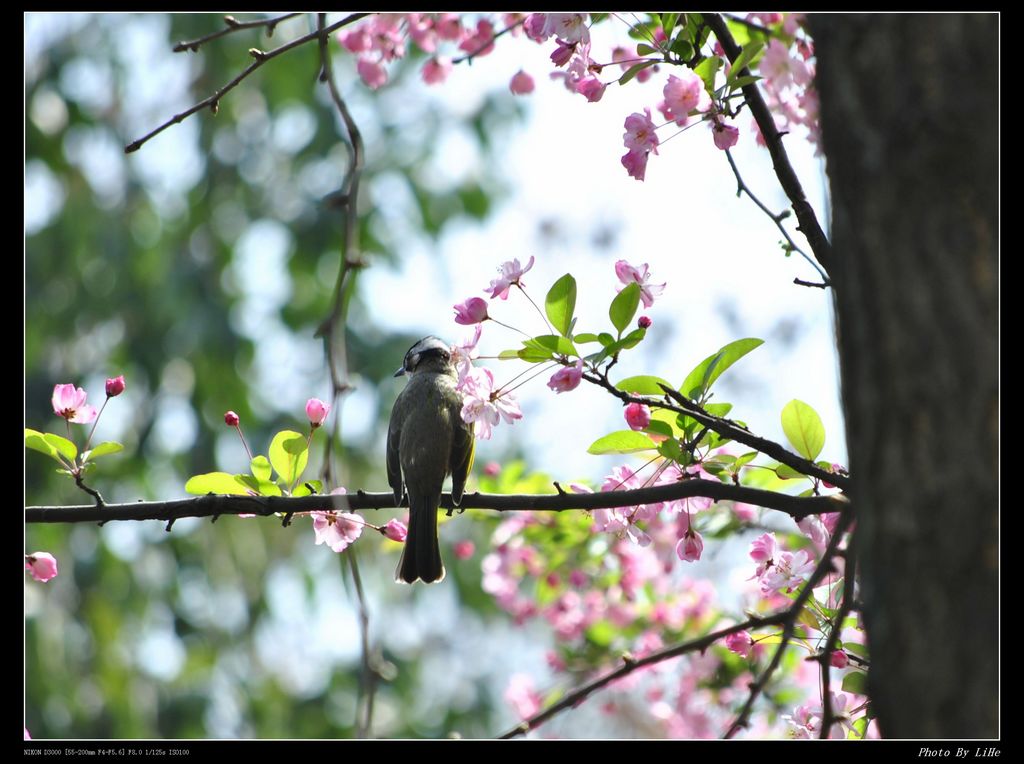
(317, 411)
(115, 386)
(638, 416)
(231, 419)
(396, 530)
(644, 322)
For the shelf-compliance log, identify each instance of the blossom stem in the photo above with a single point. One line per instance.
(238, 427)
(537, 308)
(95, 422)
(499, 323)
(503, 391)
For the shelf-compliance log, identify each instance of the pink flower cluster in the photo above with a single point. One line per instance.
(788, 82)
(779, 570)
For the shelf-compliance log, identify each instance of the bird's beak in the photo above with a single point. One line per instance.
(400, 372)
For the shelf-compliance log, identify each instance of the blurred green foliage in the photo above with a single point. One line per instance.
(144, 265)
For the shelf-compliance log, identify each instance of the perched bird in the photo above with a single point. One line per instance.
(427, 441)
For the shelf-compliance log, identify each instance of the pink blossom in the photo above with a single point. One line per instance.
(839, 659)
(472, 311)
(482, 42)
(830, 520)
(562, 53)
(763, 550)
(591, 87)
(725, 135)
(336, 529)
(463, 549)
(535, 25)
(740, 643)
(635, 163)
(690, 546)
(835, 469)
(638, 416)
(789, 571)
(115, 386)
(396, 530)
(782, 70)
(371, 72)
(644, 322)
(481, 404)
(814, 529)
(463, 354)
(521, 84)
(628, 274)
(356, 40)
(570, 27)
(744, 512)
(522, 696)
(421, 30)
(683, 95)
(567, 378)
(231, 419)
(448, 26)
(640, 132)
(436, 70)
(27, 736)
(386, 37)
(42, 566)
(317, 411)
(69, 402)
(511, 273)
(492, 469)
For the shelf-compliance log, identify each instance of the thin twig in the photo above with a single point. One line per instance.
(809, 225)
(743, 188)
(260, 59)
(91, 491)
(232, 25)
(368, 674)
(849, 581)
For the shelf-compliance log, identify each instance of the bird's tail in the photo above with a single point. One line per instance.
(421, 558)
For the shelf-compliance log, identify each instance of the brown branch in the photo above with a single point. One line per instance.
(849, 580)
(91, 491)
(809, 225)
(232, 25)
(214, 506)
(789, 624)
(727, 429)
(634, 664)
(260, 59)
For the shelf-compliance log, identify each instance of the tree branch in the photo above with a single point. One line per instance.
(789, 624)
(809, 225)
(260, 59)
(232, 25)
(849, 580)
(726, 429)
(797, 507)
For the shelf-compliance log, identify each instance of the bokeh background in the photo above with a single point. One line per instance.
(200, 266)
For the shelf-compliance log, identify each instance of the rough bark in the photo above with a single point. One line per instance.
(909, 113)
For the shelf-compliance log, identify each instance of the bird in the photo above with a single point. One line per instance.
(427, 442)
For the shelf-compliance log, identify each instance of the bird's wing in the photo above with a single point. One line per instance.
(394, 464)
(463, 453)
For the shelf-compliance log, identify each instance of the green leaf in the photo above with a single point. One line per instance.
(861, 651)
(102, 449)
(643, 49)
(288, 454)
(624, 306)
(707, 70)
(622, 442)
(634, 70)
(508, 355)
(308, 487)
(642, 385)
(659, 428)
(37, 442)
(586, 337)
(668, 22)
(546, 347)
(670, 448)
(66, 448)
(601, 633)
(215, 482)
(260, 467)
(560, 303)
(700, 380)
(632, 339)
(804, 429)
(605, 339)
(744, 459)
(746, 55)
(786, 472)
(682, 48)
(856, 682)
(741, 82)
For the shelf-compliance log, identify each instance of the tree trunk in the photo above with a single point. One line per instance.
(909, 115)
